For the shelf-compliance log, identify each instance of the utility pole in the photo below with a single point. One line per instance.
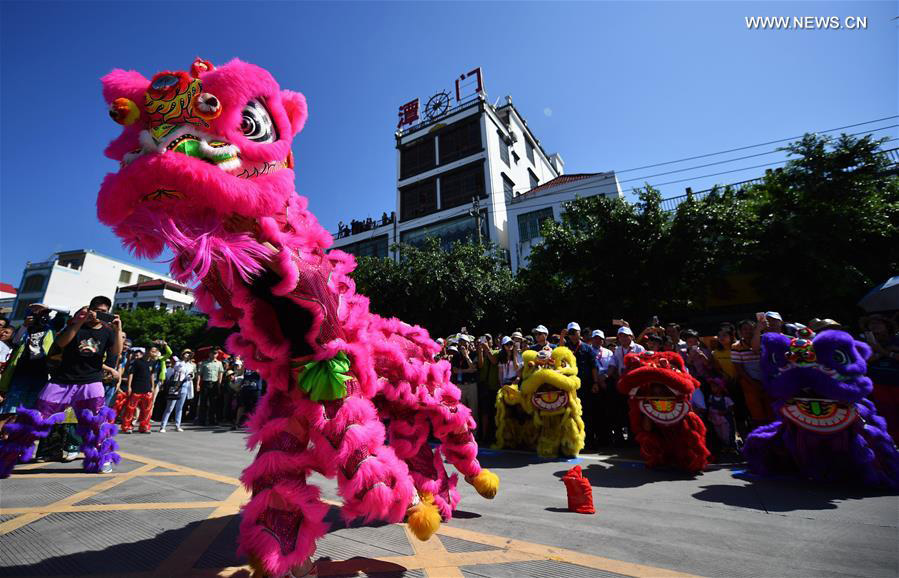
(475, 211)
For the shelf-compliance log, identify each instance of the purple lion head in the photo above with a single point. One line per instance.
(829, 365)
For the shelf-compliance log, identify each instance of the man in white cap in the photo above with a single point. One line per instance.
(583, 353)
(774, 322)
(540, 334)
(626, 345)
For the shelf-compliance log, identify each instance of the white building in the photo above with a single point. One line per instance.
(527, 212)
(7, 298)
(461, 150)
(70, 279)
(158, 294)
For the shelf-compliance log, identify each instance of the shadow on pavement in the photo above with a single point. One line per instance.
(783, 494)
(626, 474)
(506, 459)
(146, 556)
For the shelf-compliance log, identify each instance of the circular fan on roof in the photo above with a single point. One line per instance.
(437, 105)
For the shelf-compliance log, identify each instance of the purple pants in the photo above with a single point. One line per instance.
(94, 426)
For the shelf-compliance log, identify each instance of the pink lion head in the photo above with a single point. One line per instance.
(201, 151)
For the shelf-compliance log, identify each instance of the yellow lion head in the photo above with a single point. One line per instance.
(549, 380)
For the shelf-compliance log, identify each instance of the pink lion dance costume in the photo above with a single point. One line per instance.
(206, 170)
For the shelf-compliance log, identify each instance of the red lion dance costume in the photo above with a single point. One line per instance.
(667, 430)
(206, 170)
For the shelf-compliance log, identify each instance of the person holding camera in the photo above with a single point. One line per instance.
(465, 372)
(488, 385)
(26, 369)
(92, 335)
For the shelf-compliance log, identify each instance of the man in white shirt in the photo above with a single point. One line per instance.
(625, 345)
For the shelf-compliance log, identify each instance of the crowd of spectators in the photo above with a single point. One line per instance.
(147, 382)
(731, 399)
(150, 382)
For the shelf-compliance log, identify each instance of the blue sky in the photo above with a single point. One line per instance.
(610, 86)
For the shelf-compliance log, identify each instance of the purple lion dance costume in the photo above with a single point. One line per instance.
(828, 429)
(206, 170)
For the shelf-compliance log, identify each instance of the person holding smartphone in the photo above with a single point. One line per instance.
(76, 382)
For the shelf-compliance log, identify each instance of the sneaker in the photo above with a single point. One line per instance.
(178, 428)
(127, 431)
(69, 456)
(162, 430)
(107, 468)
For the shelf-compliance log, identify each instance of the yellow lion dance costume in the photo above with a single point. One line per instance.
(544, 412)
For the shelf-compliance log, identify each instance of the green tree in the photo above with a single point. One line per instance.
(605, 258)
(828, 226)
(468, 285)
(178, 328)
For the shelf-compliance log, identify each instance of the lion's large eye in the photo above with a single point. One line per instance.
(840, 357)
(256, 124)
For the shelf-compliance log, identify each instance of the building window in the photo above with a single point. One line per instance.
(418, 199)
(460, 140)
(533, 178)
(529, 224)
(459, 186)
(125, 276)
(376, 247)
(71, 262)
(417, 157)
(143, 278)
(508, 188)
(461, 229)
(515, 157)
(33, 284)
(503, 148)
(529, 150)
(146, 305)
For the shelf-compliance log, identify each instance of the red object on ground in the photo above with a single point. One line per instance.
(580, 493)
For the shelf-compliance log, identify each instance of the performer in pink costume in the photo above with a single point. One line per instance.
(206, 170)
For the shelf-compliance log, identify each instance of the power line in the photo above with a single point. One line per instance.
(702, 166)
(633, 179)
(490, 209)
(755, 145)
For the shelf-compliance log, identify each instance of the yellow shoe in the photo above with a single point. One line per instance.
(486, 483)
(423, 518)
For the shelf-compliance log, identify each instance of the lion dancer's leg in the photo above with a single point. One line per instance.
(284, 517)
(408, 431)
(453, 426)
(348, 441)
(18, 437)
(97, 433)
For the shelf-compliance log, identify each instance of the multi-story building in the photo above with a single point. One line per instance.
(460, 167)
(527, 212)
(69, 279)
(158, 294)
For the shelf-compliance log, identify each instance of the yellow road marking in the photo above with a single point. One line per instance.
(87, 475)
(430, 556)
(106, 484)
(183, 469)
(561, 554)
(190, 550)
(432, 547)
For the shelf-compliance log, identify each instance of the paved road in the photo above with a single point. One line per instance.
(169, 510)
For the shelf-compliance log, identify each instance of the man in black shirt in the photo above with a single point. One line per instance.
(77, 382)
(140, 389)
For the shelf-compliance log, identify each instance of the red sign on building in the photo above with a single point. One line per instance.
(408, 113)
